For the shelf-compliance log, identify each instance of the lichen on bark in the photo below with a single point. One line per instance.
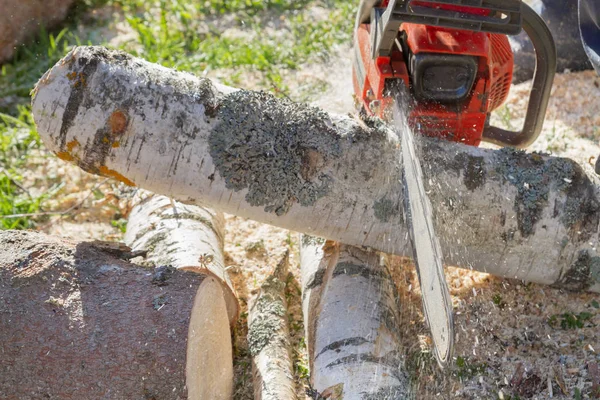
(274, 148)
(582, 274)
(535, 176)
(270, 311)
(385, 209)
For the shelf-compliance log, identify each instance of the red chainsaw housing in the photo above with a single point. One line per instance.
(461, 121)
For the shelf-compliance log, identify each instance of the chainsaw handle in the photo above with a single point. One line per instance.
(364, 12)
(545, 69)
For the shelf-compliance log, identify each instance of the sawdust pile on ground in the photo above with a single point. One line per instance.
(529, 341)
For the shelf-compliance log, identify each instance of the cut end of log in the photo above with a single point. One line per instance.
(209, 364)
(77, 321)
(231, 302)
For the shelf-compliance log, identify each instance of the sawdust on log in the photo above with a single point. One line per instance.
(513, 338)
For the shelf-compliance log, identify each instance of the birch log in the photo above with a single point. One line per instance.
(512, 214)
(181, 236)
(352, 323)
(269, 339)
(78, 322)
(188, 237)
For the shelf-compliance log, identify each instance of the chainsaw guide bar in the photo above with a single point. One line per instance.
(441, 67)
(437, 303)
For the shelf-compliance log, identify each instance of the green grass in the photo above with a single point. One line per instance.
(498, 301)
(175, 37)
(17, 137)
(466, 369)
(175, 33)
(570, 320)
(249, 7)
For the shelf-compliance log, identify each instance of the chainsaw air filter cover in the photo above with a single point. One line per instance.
(442, 77)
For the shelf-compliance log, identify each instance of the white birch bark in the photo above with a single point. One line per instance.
(189, 237)
(269, 339)
(509, 213)
(352, 323)
(182, 236)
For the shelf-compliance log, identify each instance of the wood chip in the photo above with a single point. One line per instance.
(518, 375)
(595, 377)
(560, 381)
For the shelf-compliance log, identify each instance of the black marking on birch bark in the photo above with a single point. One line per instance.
(175, 160)
(274, 148)
(316, 280)
(95, 154)
(346, 268)
(143, 232)
(392, 360)
(190, 216)
(154, 240)
(584, 272)
(88, 68)
(354, 341)
(142, 141)
(172, 249)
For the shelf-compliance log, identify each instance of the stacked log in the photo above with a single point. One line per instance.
(77, 320)
(505, 212)
(186, 237)
(352, 327)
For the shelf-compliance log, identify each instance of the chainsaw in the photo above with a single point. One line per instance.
(453, 61)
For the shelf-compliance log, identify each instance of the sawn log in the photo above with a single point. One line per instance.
(77, 321)
(506, 212)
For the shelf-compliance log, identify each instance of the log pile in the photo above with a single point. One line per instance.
(185, 237)
(526, 216)
(509, 213)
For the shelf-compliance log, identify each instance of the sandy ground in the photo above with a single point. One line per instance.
(509, 336)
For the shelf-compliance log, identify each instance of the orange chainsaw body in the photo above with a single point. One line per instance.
(461, 120)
